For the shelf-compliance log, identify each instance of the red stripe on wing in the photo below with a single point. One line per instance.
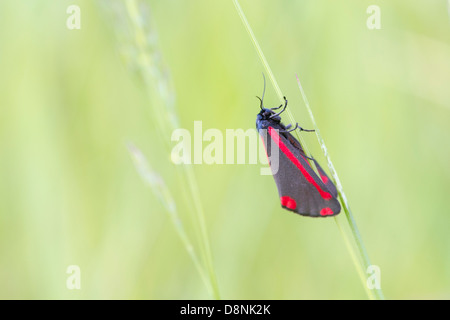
(276, 138)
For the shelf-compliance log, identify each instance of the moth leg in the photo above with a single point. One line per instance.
(296, 127)
(276, 108)
(290, 125)
(284, 108)
(306, 130)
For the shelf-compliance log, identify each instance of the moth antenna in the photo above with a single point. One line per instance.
(259, 100)
(264, 90)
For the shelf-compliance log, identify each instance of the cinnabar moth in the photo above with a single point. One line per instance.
(300, 189)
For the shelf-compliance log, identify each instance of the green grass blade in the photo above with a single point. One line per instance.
(267, 68)
(139, 41)
(164, 195)
(362, 261)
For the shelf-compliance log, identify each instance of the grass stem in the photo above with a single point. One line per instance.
(267, 68)
(139, 39)
(163, 193)
(360, 261)
(363, 262)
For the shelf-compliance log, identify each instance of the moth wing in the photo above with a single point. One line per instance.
(299, 187)
(326, 179)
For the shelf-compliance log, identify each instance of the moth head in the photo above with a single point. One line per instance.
(266, 114)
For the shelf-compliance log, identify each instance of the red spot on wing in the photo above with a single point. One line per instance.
(326, 212)
(276, 138)
(288, 202)
(324, 179)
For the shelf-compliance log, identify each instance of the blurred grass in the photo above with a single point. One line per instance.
(137, 36)
(70, 194)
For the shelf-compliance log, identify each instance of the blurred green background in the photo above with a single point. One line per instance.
(70, 194)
